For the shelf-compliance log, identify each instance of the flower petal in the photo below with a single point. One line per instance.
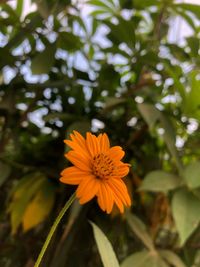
(116, 153)
(116, 198)
(79, 139)
(100, 199)
(85, 183)
(121, 170)
(77, 148)
(79, 161)
(104, 142)
(108, 197)
(120, 190)
(92, 144)
(91, 188)
(72, 175)
(118, 202)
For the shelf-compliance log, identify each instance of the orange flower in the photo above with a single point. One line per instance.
(97, 170)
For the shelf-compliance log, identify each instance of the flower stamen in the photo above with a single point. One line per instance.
(102, 166)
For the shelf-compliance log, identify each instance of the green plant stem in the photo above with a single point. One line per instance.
(53, 228)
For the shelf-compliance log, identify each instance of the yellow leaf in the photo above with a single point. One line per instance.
(29, 189)
(38, 209)
(21, 196)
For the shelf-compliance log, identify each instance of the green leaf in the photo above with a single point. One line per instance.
(194, 44)
(112, 102)
(58, 115)
(19, 7)
(178, 52)
(43, 8)
(145, 4)
(69, 42)
(185, 16)
(5, 171)
(172, 258)
(106, 251)
(172, 71)
(144, 259)
(10, 11)
(191, 105)
(149, 113)
(139, 228)
(186, 213)
(80, 126)
(43, 61)
(99, 12)
(160, 181)
(123, 32)
(106, 6)
(191, 175)
(196, 262)
(195, 9)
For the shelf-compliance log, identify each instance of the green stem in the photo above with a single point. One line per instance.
(53, 228)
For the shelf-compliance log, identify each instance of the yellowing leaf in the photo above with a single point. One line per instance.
(22, 195)
(25, 193)
(105, 248)
(38, 209)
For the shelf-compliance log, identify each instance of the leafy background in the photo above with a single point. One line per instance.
(116, 71)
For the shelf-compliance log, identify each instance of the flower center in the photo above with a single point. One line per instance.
(102, 166)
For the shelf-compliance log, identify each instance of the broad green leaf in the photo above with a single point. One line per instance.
(191, 175)
(39, 207)
(149, 113)
(138, 227)
(43, 61)
(144, 259)
(186, 213)
(5, 171)
(172, 258)
(160, 181)
(106, 251)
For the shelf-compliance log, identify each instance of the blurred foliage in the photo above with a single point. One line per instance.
(119, 71)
